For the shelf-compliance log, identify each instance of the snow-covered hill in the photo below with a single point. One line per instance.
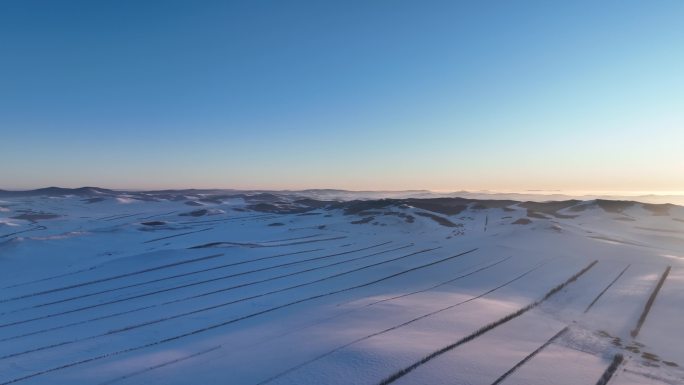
(229, 287)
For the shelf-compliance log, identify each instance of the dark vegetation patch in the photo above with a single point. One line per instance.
(93, 200)
(670, 363)
(58, 191)
(625, 219)
(370, 213)
(522, 221)
(193, 203)
(305, 214)
(278, 208)
(658, 209)
(321, 227)
(34, 216)
(314, 203)
(446, 206)
(614, 207)
(153, 223)
(356, 207)
(214, 200)
(276, 224)
(362, 221)
(534, 214)
(440, 220)
(551, 207)
(196, 213)
(406, 217)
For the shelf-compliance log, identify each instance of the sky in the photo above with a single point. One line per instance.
(363, 95)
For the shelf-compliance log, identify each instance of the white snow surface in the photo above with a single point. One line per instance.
(162, 291)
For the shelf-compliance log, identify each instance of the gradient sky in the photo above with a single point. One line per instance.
(447, 95)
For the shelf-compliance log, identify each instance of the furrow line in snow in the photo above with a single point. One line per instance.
(237, 244)
(111, 290)
(178, 235)
(402, 372)
(24, 231)
(122, 217)
(320, 321)
(95, 267)
(439, 284)
(131, 327)
(51, 277)
(161, 365)
(610, 370)
(111, 278)
(157, 215)
(529, 357)
(606, 289)
(649, 303)
(246, 217)
(395, 327)
(231, 321)
(192, 284)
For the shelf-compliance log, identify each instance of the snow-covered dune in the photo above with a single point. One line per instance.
(228, 287)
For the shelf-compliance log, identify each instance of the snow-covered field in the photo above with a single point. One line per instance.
(200, 287)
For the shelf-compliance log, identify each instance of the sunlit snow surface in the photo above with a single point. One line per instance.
(190, 289)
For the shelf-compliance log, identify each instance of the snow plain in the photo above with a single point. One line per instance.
(205, 288)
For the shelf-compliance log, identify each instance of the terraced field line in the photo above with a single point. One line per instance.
(264, 244)
(402, 372)
(228, 322)
(395, 327)
(375, 303)
(158, 215)
(111, 278)
(50, 277)
(147, 294)
(122, 217)
(529, 357)
(228, 219)
(439, 284)
(304, 242)
(606, 289)
(161, 365)
(24, 231)
(649, 303)
(132, 327)
(165, 279)
(291, 239)
(178, 235)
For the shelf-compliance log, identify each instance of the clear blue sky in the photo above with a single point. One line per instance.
(448, 95)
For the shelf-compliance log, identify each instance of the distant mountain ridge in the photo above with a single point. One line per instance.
(303, 200)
